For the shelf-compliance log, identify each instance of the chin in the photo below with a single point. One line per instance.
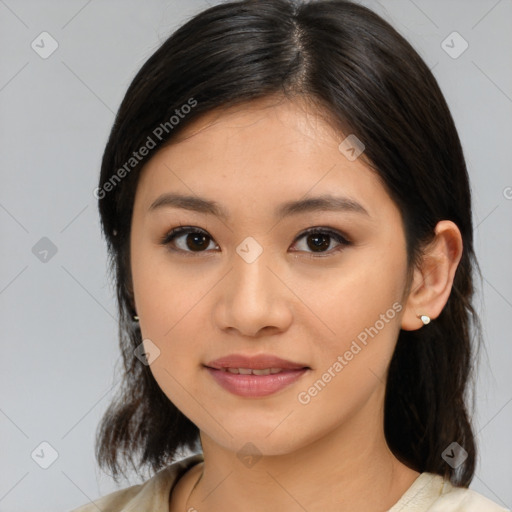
(254, 440)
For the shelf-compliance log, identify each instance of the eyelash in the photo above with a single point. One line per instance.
(185, 230)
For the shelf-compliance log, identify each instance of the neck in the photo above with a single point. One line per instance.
(350, 468)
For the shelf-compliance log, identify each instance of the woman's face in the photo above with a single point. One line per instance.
(252, 282)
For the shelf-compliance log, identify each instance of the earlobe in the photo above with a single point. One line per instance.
(432, 283)
(424, 318)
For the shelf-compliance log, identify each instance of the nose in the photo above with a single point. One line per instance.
(252, 299)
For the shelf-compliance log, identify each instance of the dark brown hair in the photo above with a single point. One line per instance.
(370, 81)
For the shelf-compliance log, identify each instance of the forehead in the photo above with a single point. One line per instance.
(300, 113)
(263, 151)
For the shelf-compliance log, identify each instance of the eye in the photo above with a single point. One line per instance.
(187, 239)
(319, 240)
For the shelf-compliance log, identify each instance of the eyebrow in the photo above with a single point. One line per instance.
(314, 204)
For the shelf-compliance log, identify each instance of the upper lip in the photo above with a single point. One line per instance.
(258, 362)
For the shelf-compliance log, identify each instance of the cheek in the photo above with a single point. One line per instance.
(169, 299)
(163, 294)
(181, 339)
(167, 304)
(359, 320)
(171, 324)
(350, 301)
(351, 365)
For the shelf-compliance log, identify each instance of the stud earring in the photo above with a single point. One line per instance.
(135, 318)
(425, 319)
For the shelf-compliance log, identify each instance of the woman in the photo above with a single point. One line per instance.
(288, 215)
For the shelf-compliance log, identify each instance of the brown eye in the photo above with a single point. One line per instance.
(187, 239)
(197, 241)
(319, 240)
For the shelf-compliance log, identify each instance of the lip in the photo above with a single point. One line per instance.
(257, 362)
(255, 385)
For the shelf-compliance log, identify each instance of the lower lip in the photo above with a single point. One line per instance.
(255, 385)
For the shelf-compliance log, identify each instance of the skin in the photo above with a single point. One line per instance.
(293, 302)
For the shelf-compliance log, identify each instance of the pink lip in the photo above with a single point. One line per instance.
(258, 362)
(256, 385)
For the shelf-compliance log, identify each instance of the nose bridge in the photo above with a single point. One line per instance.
(251, 280)
(252, 298)
(252, 277)
(250, 267)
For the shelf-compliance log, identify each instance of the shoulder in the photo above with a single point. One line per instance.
(432, 493)
(461, 499)
(151, 495)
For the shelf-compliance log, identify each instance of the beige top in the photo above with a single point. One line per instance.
(428, 493)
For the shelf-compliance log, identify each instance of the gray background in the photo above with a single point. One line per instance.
(59, 339)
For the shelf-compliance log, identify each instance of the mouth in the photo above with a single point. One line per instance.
(257, 371)
(260, 364)
(255, 376)
(255, 382)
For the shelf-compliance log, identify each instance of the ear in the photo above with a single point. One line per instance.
(432, 283)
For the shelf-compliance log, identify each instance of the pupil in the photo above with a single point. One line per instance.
(320, 241)
(315, 242)
(199, 241)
